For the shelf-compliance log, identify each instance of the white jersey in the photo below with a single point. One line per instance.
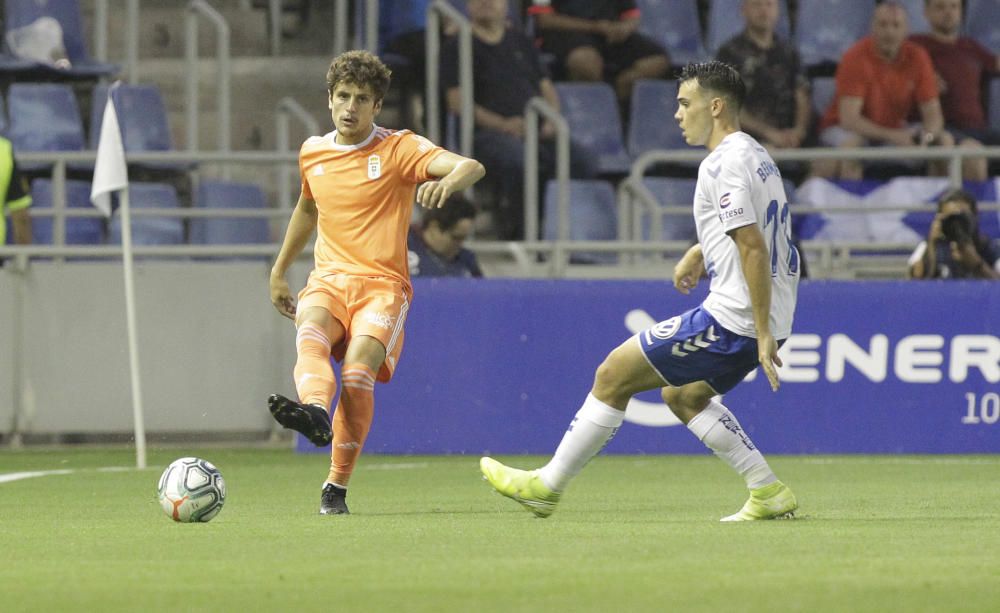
(739, 184)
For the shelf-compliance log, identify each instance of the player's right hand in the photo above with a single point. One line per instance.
(281, 297)
(433, 194)
(767, 353)
(684, 282)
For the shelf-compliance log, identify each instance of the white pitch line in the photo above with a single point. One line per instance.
(9, 477)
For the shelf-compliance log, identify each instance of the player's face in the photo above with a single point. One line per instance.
(761, 14)
(353, 109)
(694, 113)
(944, 16)
(889, 29)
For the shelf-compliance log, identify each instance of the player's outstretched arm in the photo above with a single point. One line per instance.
(755, 261)
(300, 228)
(689, 270)
(455, 173)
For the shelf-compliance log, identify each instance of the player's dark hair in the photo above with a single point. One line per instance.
(360, 68)
(718, 77)
(455, 209)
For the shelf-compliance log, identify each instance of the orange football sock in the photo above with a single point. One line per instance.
(352, 420)
(314, 379)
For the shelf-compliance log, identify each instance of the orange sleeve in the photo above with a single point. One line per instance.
(413, 154)
(306, 192)
(926, 81)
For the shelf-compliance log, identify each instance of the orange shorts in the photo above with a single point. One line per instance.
(369, 306)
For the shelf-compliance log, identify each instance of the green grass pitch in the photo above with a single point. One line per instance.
(874, 533)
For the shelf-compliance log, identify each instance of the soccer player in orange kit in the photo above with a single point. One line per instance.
(358, 185)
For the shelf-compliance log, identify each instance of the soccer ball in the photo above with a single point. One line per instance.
(191, 489)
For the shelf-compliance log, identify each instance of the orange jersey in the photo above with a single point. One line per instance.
(364, 195)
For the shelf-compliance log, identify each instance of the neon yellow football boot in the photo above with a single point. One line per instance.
(773, 501)
(524, 486)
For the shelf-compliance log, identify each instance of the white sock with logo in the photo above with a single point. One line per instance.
(721, 432)
(594, 425)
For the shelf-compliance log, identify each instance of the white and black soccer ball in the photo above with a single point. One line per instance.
(191, 490)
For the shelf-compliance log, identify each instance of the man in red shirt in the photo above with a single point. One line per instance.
(881, 80)
(962, 65)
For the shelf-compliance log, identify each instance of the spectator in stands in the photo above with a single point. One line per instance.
(16, 198)
(955, 248)
(962, 66)
(436, 247)
(881, 80)
(777, 110)
(596, 40)
(508, 73)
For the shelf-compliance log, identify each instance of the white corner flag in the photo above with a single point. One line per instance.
(110, 173)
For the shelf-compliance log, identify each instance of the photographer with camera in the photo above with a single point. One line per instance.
(955, 249)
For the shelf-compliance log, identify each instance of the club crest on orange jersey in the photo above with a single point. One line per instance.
(374, 166)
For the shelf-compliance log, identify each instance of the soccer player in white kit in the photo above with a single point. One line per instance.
(744, 248)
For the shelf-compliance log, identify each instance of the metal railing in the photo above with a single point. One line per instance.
(288, 107)
(223, 72)
(535, 107)
(636, 201)
(432, 105)
(366, 26)
(827, 258)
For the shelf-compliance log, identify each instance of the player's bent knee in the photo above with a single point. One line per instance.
(366, 349)
(687, 401)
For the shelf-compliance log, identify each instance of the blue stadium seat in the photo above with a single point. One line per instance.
(981, 22)
(672, 192)
(994, 100)
(142, 117)
(593, 216)
(591, 110)
(824, 29)
(675, 25)
(151, 230)
(652, 123)
(229, 230)
(19, 13)
(44, 117)
(824, 90)
(79, 230)
(725, 20)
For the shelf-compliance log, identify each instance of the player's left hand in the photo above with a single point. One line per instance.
(433, 194)
(767, 349)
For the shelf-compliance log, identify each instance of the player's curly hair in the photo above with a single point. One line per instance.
(360, 68)
(719, 77)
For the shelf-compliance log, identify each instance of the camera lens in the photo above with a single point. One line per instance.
(956, 228)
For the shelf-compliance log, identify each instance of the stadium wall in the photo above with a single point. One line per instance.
(499, 365)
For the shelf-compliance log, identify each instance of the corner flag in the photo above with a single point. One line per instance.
(110, 173)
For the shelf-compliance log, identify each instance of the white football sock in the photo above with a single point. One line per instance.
(718, 429)
(594, 425)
